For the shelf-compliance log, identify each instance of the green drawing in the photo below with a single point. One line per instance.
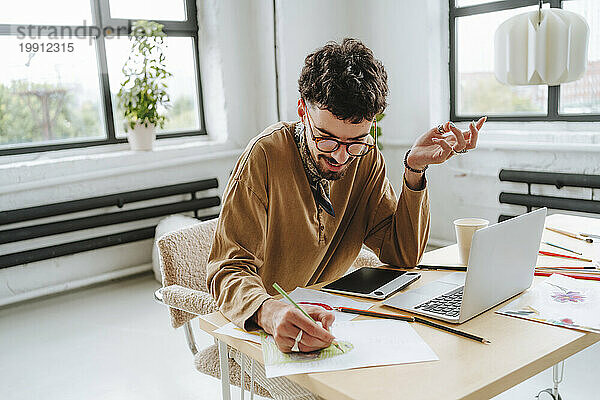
(273, 356)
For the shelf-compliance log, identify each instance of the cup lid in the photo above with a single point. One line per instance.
(471, 221)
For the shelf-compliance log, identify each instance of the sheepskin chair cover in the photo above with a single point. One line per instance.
(184, 255)
(366, 258)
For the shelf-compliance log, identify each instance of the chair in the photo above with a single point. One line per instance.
(183, 256)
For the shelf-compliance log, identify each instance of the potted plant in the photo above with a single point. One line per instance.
(143, 97)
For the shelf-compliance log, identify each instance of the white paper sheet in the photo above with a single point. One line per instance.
(232, 330)
(366, 343)
(303, 296)
(560, 300)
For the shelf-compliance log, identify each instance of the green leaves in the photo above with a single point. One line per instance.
(378, 118)
(142, 101)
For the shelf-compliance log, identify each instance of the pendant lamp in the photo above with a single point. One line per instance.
(544, 47)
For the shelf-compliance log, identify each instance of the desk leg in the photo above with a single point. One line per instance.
(224, 361)
(557, 377)
(242, 373)
(558, 371)
(252, 379)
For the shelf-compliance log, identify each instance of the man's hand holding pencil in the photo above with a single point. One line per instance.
(285, 322)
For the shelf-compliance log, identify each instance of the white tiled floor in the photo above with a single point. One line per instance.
(114, 342)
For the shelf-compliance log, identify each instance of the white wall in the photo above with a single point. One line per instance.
(400, 33)
(237, 67)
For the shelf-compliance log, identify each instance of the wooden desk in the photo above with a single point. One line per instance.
(466, 369)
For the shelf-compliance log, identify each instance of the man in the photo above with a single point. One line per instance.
(305, 196)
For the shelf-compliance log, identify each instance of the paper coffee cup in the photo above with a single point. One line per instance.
(465, 228)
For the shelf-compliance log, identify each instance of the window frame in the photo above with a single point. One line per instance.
(100, 10)
(553, 91)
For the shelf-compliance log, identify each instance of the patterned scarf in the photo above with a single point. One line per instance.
(318, 184)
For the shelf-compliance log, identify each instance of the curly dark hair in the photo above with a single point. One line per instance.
(345, 79)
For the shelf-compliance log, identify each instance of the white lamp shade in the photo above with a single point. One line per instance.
(548, 53)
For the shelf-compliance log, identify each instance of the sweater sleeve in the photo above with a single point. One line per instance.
(238, 249)
(397, 230)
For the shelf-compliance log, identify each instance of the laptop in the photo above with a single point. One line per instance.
(501, 265)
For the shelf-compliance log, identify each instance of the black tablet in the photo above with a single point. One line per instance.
(374, 283)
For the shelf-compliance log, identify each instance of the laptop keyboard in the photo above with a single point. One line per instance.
(446, 304)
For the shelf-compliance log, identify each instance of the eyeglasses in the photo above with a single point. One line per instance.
(329, 145)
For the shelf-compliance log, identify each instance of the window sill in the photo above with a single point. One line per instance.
(110, 150)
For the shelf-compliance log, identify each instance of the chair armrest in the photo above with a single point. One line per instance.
(186, 299)
(189, 334)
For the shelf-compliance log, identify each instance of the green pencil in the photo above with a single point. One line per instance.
(288, 298)
(564, 248)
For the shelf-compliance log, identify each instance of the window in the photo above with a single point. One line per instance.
(61, 71)
(474, 89)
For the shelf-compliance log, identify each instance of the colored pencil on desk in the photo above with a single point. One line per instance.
(560, 247)
(451, 330)
(582, 272)
(356, 311)
(571, 271)
(288, 298)
(549, 254)
(559, 267)
(571, 235)
(589, 235)
(442, 267)
(408, 318)
(589, 278)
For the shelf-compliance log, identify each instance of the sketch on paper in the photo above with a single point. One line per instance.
(559, 300)
(273, 356)
(566, 295)
(364, 343)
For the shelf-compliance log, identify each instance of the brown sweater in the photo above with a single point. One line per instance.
(270, 229)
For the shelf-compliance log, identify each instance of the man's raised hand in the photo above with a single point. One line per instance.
(435, 147)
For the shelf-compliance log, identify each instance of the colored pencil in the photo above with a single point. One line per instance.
(560, 267)
(549, 254)
(589, 278)
(571, 271)
(356, 311)
(571, 235)
(451, 330)
(413, 319)
(442, 267)
(560, 247)
(589, 235)
(288, 298)
(582, 272)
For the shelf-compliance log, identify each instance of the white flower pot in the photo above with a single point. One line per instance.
(142, 138)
